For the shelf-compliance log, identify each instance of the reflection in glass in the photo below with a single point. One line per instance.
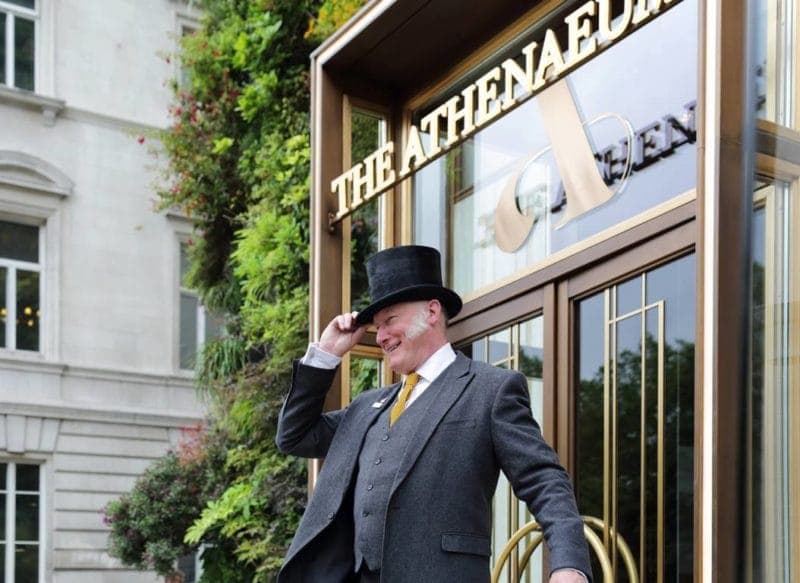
(500, 348)
(2, 518)
(24, 3)
(635, 422)
(27, 517)
(24, 47)
(629, 296)
(27, 478)
(28, 311)
(3, 470)
(20, 242)
(365, 374)
(775, 55)
(3, 48)
(364, 241)
(185, 264)
(367, 135)
(3, 306)
(26, 567)
(188, 330)
(641, 129)
(773, 403)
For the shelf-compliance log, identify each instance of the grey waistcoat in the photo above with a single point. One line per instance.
(378, 463)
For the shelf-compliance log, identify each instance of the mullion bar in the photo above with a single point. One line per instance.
(660, 445)
(606, 418)
(513, 357)
(643, 434)
(614, 429)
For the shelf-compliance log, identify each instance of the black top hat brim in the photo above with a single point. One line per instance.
(449, 299)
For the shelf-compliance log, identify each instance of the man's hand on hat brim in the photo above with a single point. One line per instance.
(341, 334)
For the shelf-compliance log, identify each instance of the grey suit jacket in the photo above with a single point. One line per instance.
(439, 519)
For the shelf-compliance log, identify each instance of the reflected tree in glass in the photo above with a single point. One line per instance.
(366, 137)
(365, 374)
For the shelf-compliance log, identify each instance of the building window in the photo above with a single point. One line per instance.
(20, 535)
(368, 132)
(197, 325)
(184, 74)
(18, 20)
(20, 291)
(518, 194)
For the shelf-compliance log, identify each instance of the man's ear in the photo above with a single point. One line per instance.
(435, 311)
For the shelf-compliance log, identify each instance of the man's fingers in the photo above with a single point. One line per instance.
(347, 322)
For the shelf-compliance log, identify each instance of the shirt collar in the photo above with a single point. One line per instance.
(437, 363)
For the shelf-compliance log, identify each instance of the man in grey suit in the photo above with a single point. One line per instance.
(405, 493)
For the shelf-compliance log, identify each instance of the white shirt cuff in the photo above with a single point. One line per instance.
(568, 569)
(318, 358)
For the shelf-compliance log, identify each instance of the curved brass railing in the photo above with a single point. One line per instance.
(593, 540)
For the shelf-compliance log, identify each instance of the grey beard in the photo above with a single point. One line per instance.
(417, 326)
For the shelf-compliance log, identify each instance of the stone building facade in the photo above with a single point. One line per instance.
(96, 332)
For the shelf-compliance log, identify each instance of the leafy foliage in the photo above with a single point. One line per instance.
(237, 162)
(147, 524)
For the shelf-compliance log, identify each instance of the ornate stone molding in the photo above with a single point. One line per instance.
(26, 171)
(49, 106)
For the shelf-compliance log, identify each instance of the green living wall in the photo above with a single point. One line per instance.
(236, 161)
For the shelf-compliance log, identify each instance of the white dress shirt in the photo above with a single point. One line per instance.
(428, 372)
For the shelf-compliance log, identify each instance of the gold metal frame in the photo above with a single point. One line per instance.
(626, 225)
(594, 541)
(610, 428)
(781, 76)
(386, 233)
(781, 258)
(516, 511)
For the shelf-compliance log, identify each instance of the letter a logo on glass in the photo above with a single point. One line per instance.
(581, 180)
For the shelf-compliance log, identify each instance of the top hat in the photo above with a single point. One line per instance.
(406, 274)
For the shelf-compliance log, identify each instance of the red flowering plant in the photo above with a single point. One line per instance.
(147, 525)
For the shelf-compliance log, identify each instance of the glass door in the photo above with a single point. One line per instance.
(517, 347)
(634, 420)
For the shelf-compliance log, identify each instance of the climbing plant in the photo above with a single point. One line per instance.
(236, 161)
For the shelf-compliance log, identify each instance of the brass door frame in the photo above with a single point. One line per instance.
(603, 276)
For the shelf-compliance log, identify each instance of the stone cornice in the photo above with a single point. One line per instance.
(132, 415)
(36, 364)
(49, 106)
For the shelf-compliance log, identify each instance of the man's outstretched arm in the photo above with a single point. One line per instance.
(303, 429)
(538, 479)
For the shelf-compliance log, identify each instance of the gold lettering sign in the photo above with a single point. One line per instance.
(539, 65)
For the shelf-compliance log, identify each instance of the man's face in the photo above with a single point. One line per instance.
(404, 335)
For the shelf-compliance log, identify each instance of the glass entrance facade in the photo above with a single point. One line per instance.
(635, 420)
(602, 206)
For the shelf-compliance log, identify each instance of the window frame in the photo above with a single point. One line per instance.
(774, 164)
(186, 24)
(12, 266)
(12, 12)
(10, 493)
(386, 205)
(201, 313)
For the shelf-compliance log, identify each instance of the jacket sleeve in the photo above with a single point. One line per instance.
(536, 476)
(303, 429)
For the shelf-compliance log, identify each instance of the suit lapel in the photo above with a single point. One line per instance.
(448, 388)
(371, 410)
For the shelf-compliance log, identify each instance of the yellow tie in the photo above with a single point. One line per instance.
(400, 405)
